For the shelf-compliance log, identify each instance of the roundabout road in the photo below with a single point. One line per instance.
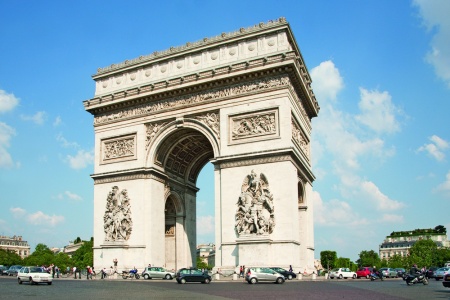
(163, 289)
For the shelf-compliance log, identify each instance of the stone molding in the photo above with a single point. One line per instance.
(259, 125)
(130, 174)
(115, 149)
(211, 95)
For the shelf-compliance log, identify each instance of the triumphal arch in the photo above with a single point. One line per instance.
(242, 101)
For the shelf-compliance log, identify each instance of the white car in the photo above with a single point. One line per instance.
(342, 273)
(34, 275)
(441, 272)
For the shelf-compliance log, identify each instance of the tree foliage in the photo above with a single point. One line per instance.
(42, 256)
(328, 259)
(84, 256)
(9, 258)
(368, 259)
(422, 253)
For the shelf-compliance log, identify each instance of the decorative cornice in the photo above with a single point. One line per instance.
(192, 45)
(130, 174)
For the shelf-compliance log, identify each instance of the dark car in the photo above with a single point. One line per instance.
(13, 270)
(400, 272)
(446, 281)
(192, 275)
(430, 272)
(287, 274)
(3, 270)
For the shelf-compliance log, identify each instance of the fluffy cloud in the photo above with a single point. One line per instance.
(81, 160)
(57, 121)
(73, 196)
(434, 14)
(65, 143)
(38, 118)
(381, 202)
(205, 225)
(327, 81)
(435, 148)
(377, 111)
(7, 101)
(445, 186)
(37, 218)
(6, 132)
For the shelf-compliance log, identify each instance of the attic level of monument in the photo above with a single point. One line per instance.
(259, 52)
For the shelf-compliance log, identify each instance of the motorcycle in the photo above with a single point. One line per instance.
(419, 278)
(130, 274)
(375, 276)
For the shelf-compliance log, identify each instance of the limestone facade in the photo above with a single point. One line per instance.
(241, 100)
(16, 244)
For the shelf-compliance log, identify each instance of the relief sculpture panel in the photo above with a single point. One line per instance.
(119, 148)
(254, 126)
(117, 218)
(255, 210)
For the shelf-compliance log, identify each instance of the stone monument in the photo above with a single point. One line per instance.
(241, 100)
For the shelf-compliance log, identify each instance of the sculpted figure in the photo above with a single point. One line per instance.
(117, 217)
(255, 210)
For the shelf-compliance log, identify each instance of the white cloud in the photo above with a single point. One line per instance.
(81, 159)
(38, 118)
(205, 225)
(39, 218)
(7, 101)
(381, 202)
(445, 186)
(378, 111)
(73, 196)
(327, 81)
(436, 148)
(65, 143)
(434, 14)
(391, 218)
(57, 121)
(6, 132)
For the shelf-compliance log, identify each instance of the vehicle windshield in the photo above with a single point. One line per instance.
(335, 270)
(37, 270)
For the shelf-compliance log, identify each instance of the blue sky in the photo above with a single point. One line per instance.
(380, 146)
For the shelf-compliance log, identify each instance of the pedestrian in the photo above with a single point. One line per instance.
(241, 272)
(290, 268)
(74, 272)
(103, 273)
(115, 265)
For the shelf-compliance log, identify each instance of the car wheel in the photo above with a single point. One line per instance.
(49, 283)
(20, 281)
(437, 279)
(253, 280)
(146, 276)
(31, 281)
(168, 277)
(290, 277)
(280, 280)
(340, 276)
(182, 281)
(354, 276)
(206, 280)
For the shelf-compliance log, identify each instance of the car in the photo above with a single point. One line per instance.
(441, 272)
(446, 282)
(3, 270)
(157, 272)
(364, 272)
(430, 272)
(400, 272)
(342, 273)
(389, 272)
(13, 270)
(34, 275)
(256, 274)
(287, 274)
(192, 275)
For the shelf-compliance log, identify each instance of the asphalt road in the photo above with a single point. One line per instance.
(170, 289)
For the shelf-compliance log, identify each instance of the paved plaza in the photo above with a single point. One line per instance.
(69, 288)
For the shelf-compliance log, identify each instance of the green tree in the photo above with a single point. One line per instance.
(9, 258)
(84, 256)
(202, 265)
(423, 252)
(440, 229)
(328, 259)
(368, 259)
(42, 255)
(62, 261)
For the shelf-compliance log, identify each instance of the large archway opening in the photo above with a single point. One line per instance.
(189, 212)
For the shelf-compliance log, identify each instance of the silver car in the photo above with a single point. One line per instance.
(256, 274)
(157, 272)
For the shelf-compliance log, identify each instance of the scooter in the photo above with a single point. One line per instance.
(131, 274)
(419, 278)
(375, 276)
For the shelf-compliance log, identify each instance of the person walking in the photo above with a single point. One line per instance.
(115, 265)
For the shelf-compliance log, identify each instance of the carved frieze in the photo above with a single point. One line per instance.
(255, 125)
(191, 99)
(212, 121)
(118, 148)
(151, 131)
(299, 138)
(255, 209)
(117, 218)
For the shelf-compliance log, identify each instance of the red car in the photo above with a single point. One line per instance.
(364, 272)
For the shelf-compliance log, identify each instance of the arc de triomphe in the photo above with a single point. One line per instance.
(241, 100)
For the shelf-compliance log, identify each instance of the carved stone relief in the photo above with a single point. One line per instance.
(299, 138)
(253, 125)
(170, 230)
(190, 99)
(212, 121)
(255, 212)
(117, 218)
(118, 148)
(152, 130)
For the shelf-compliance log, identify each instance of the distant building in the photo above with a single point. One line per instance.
(399, 242)
(206, 252)
(71, 248)
(16, 244)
